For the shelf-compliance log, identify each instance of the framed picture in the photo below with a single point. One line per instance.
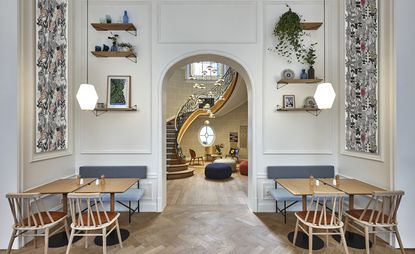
(288, 101)
(118, 92)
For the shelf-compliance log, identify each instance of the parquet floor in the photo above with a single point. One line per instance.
(205, 216)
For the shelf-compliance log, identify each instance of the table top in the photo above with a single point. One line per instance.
(352, 186)
(60, 186)
(109, 185)
(301, 186)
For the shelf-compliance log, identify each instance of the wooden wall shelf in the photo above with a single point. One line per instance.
(100, 111)
(311, 25)
(129, 55)
(313, 111)
(128, 27)
(283, 82)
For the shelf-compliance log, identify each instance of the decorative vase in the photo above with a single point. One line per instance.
(108, 19)
(105, 48)
(311, 74)
(114, 47)
(125, 18)
(303, 74)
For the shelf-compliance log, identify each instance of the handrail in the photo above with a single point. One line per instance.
(215, 108)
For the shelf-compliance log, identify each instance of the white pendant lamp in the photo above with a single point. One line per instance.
(324, 96)
(87, 96)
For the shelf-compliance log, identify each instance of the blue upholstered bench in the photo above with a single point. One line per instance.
(131, 195)
(280, 172)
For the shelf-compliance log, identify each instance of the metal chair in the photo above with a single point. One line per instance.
(193, 157)
(379, 215)
(91, 220)
(317, 220)
(32, 219)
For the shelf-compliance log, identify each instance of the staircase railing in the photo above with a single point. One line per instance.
(190, 110)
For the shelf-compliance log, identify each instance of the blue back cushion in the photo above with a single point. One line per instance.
(279, 172)
(113, 171)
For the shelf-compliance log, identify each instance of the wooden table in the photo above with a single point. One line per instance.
(61, 186)
(352, 187)
(111, 186)
(301, 187)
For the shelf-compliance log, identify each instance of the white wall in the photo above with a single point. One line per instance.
(405, 137)
(166, 36)
(9, 109)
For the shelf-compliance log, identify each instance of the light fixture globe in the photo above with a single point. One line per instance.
(87, 97)
(324, 96)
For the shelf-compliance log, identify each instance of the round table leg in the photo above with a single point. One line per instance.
(59, 240)
(112, 239)
(302, 240)
(353, 240)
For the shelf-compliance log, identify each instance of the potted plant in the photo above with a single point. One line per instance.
(123, 46)
(219, 148)
(289, 33)
(310, 58)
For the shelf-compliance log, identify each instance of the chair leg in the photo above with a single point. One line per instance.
(119, 233)
(66, 228)
(398, 236)
(367, 240)
(86, 239)
(70, 241)
(13, 236)
(310, 240)
(46, 241)
(346, 223)
(104, 240)
(295, 232)
(138, 206)
(343, 241)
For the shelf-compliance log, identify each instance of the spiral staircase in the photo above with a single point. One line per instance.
(177, 165)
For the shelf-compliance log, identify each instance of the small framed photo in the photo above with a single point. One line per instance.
(288, 101)
(118, 91)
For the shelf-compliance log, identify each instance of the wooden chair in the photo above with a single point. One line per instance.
(379, 215)
(318, 221)
(233, 153)
(32, 219)
(91, 220)
(193, 157)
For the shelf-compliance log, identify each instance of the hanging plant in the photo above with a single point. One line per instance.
(289, 34)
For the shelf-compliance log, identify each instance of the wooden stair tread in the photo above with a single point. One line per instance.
(180, 172)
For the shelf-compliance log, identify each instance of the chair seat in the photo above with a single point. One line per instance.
(356, 213)
(302, 216)
(281, 194)
(132, 194)
(111, 217)
(46, 220)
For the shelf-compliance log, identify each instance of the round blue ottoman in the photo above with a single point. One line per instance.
(218, 171)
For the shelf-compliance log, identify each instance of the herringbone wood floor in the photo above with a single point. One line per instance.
(206, 216)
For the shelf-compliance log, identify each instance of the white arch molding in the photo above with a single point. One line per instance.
(168, 71)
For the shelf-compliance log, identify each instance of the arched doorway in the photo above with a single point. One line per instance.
(242, 71)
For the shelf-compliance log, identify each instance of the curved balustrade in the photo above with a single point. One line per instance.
(190, 111)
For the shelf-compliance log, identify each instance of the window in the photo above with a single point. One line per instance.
(206, 135)
(208, 71)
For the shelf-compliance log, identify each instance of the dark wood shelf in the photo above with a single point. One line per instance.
(128, 54)
(311, 25)
(114, 26)
(100, 111)
(313, 111)
(299, 81)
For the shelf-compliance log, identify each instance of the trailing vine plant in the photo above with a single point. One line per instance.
(289, 34)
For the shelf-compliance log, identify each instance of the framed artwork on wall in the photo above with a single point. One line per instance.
(288, 101)
(51, 92)
(118, 91)
(361, 76)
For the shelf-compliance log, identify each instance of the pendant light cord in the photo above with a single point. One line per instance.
(87, 39)
(324, 38)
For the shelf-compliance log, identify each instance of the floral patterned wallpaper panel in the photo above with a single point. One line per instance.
(361, 61)
(51, 76)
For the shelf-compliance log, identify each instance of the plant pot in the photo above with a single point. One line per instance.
(311, 73)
